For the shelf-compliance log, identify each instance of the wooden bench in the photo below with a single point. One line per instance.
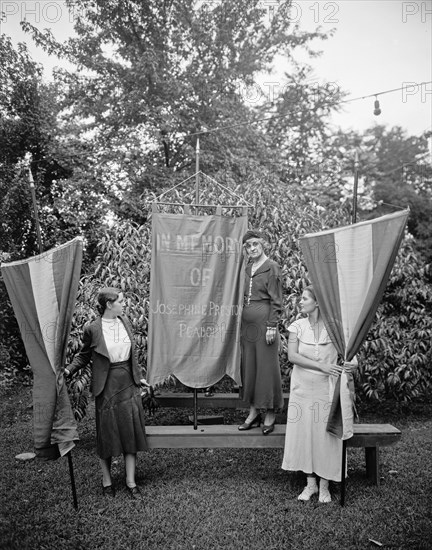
(369, 436)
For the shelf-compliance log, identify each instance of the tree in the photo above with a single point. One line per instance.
(394, 172)
(402, 176)
(36, 134)
(21, 132)
(155, 73)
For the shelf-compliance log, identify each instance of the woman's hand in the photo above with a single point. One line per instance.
(144, 382)
(350, 366)
(66, 373)
(271, 335)
(331, 369)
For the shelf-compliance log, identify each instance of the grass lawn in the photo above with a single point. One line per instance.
(206, 499)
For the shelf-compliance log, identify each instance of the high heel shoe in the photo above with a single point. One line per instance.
(268, 429)
(255, 423)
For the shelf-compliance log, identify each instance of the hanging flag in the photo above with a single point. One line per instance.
(349, 268)
(43, 290)
(195, 298)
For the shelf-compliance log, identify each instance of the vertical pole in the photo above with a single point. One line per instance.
(197, 184)
(195, 406)
(343, 480)
(197, 178)
(35, 210)
(71, 473)
(356, 170)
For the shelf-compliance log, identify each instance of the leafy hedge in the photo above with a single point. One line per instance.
(394, 361)
(396, 358)
(13, 364)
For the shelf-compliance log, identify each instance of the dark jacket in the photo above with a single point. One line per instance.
(94, 349)
(267, 286)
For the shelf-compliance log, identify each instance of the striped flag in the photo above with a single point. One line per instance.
(43, 290)
(349, 268)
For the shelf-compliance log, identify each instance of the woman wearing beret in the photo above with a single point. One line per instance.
(116, 379)
(262, 309)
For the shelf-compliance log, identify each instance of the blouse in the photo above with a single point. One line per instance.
(116, 339)
(319, 349)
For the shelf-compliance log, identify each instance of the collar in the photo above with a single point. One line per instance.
(265, 266)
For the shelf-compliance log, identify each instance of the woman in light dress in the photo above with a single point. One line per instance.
(308, 446)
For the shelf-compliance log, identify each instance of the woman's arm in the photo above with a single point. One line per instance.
(274, 289)
(83, 357)
(301, 361)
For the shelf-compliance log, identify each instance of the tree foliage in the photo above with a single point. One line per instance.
(397, 356)
(155, 73)
(394, 172)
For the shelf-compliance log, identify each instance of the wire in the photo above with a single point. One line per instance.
(239, 124)
(385, 92)
(288, 114)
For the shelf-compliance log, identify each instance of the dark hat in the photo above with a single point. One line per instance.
(252, 234)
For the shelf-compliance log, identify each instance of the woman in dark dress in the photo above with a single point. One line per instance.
(116, 378)
(262, 309)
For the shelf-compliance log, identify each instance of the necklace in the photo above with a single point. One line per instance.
(254, 268)
(257, 265)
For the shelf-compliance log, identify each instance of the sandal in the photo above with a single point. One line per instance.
(308, 491)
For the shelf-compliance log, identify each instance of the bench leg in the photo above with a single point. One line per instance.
(372, 464)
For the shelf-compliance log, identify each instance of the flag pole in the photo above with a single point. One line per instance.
(39, 239)
(72, 477)
(35, 210)
(354, 220)
(356, 173)
(197, 184)
(197, 178)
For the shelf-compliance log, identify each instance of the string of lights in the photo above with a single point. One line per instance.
(377, 111)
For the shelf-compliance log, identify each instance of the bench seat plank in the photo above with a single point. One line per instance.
(228, 436)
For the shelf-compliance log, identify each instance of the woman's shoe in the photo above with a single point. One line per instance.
(307, 492)
(268, 429)
(255, 423)
(324, 496)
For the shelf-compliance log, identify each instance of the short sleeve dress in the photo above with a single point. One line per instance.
(308, 446)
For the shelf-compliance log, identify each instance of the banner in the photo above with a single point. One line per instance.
(43, 290)
(349, 268)
(196, 296)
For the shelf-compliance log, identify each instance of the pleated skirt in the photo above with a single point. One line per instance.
(120, 418)
(308, 446)
(260, 371)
